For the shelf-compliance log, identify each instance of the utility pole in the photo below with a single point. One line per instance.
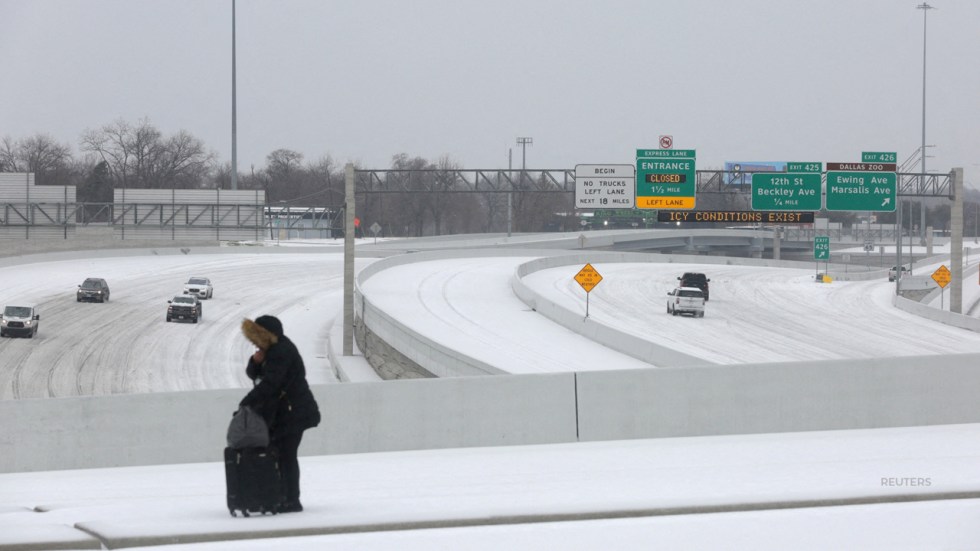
(925, 7)
(234, 106)
(524, 142)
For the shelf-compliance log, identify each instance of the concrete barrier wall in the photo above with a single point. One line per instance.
(188, 427)
(779, 397)
(442, 361)
(16, 248)
(612, 337)
(169, 248)
(434, 357)
(923, 309)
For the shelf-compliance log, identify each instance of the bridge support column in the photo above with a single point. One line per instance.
(956, 242)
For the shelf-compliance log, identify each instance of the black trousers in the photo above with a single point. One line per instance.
(288, 446)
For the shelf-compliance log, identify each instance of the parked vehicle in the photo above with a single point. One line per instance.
(184, 308)
(93, 289)
(199, 287)
(893, 272)
(694, 279)
(686, 300)
(19, 321)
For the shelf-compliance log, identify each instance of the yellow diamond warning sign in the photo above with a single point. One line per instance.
(588, 278)
(941, 276)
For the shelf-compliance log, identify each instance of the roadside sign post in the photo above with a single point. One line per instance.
(821, 251)
(588, 278)
(942, 276)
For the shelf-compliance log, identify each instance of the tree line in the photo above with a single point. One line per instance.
(139, 156)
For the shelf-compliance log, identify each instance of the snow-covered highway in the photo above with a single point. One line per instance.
(124, 346)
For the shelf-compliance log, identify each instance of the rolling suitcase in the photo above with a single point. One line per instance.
(253, 480)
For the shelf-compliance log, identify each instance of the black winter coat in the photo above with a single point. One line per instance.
(281, 393)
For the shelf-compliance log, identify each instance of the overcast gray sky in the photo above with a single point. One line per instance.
(589, 81)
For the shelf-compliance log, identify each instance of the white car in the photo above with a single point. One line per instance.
(688, 300)
(199, 287)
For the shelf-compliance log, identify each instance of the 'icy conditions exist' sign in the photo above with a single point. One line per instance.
(605, 186)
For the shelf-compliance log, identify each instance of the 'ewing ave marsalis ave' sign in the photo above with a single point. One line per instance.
(861, 186)
(604, 186)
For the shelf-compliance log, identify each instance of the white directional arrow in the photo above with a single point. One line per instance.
(886, 201)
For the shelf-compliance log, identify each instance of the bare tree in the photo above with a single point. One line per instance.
(283, 169)
(536, 205)
(49, 160)
(412, 205)
(139, 156)
(324, 184)
(182, 161)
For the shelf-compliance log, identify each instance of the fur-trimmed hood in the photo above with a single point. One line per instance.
(258, 335)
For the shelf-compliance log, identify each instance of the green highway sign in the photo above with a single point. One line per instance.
(786, 191)
(665, 180)
(867, 191)
(879, 157)
(661, 153)
(804, 167)
(821, 247)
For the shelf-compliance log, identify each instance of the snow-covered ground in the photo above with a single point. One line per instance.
(863, 490)
(493, 498)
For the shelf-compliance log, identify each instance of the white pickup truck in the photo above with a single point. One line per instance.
(689, 300)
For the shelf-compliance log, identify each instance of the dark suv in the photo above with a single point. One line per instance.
(93, 289)
(694, 279)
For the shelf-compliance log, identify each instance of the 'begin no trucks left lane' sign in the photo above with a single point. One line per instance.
(605, 186)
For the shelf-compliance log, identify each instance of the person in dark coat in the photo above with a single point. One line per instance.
(281, 394)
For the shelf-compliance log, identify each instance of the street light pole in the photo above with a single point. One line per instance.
(510, 196)
(925, 7)
(234, 106)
